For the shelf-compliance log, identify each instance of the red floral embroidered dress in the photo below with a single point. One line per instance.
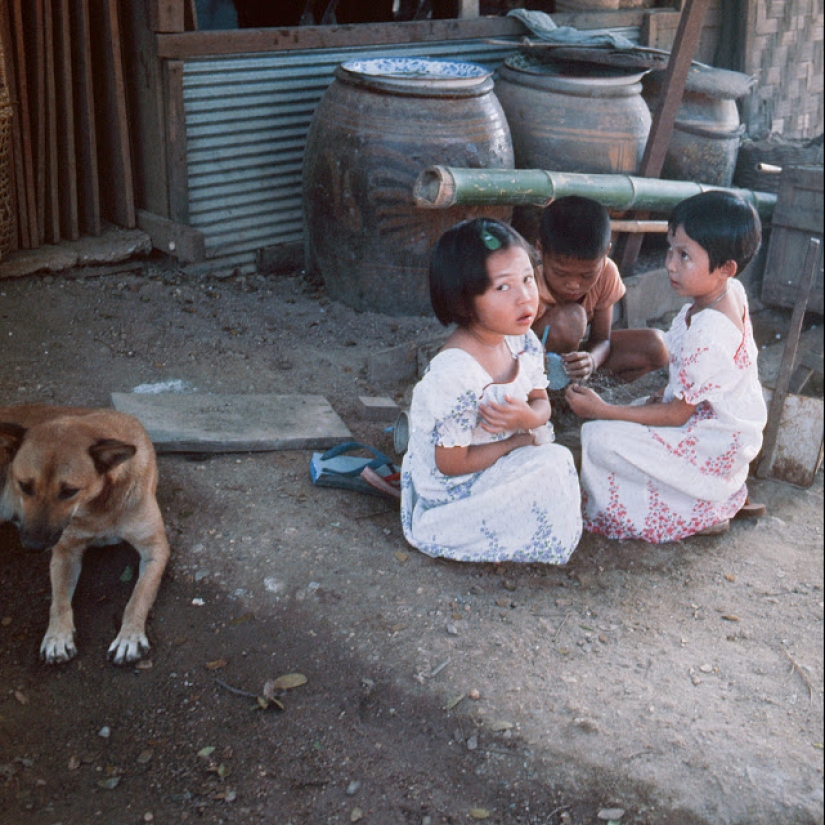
(665, 483)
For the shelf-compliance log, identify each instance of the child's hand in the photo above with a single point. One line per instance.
(579, 365)
(511, 415)
(584, 402)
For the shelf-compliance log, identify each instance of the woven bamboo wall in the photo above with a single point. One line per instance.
(786, 53)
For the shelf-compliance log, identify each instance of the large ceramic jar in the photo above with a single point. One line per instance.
(704, 144)
(571, 118)
(566, 120)
(379, 124)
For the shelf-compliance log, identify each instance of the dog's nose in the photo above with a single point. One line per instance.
(37, 540)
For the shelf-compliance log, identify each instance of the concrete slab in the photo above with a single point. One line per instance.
(649, 296)
(378, 408)
(207, 423)
(770, 358)
(114, 245)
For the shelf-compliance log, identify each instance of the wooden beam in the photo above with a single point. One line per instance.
(110, 110)
(468, 8)
(664, 115)
(783, 378)
(183, 242)
(85, 129)
(147, 113)
(50, 125)
(22, 237)
(177, 166)
(66, 150)
(167, 15)
(248, 41)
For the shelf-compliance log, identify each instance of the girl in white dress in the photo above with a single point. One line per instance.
(481, 480)
(676, 466)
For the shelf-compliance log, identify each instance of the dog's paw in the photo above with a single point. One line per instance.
(57, 648)
(128, 647)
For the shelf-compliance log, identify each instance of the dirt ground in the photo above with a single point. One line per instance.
(679, 685)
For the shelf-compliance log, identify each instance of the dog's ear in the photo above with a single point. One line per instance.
(108, 453)
(11, 437)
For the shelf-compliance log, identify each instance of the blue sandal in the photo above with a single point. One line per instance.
(335, 468)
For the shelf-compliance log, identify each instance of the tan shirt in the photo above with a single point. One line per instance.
(606, 291)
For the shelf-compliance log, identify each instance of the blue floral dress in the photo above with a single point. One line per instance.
(525, 507)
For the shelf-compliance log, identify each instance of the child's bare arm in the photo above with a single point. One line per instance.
(580, 365)
(456, 461)
(587, 404)
(512, 415)
(516, 415)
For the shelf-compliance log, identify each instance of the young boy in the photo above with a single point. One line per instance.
(578, 286)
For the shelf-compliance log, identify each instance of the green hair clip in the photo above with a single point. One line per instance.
(490, 241)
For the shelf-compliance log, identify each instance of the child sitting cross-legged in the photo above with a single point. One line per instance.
(481, 480)
(579, 286)
(677, 465)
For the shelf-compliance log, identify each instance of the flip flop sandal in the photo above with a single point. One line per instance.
(752, 509)
(335, 468)
(715, 529)
(388, 485)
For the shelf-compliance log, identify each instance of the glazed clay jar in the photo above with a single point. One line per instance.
(572, 118)
(380, 123)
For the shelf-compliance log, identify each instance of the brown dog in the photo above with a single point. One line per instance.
(70, 478)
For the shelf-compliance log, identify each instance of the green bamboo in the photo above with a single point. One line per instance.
(440, 187)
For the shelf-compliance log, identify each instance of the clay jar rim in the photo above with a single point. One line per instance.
(417, 84)
(580, 85)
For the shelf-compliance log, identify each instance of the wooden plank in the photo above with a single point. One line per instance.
(65, 117)
(23, 121)
(52, 194)
(114, 151)
(183, 242)
(21, 235)
(664, 115)
(190, 16)
(85, 127)
(788, 358)
(177, 167)
(32, 27)
(212, 423)
(143, 71)
(167, 15)
(659, 29)
(797, 217)
(248, 41)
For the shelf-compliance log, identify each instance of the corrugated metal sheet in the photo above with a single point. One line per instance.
(247, 118)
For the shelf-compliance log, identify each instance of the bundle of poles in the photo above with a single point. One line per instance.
(441, 187)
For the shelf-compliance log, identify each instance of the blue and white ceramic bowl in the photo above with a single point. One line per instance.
(423, 70)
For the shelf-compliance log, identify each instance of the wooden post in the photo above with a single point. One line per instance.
(177, 169)
(664, 116)
(468, 8)
(783, 380)
(167, 15)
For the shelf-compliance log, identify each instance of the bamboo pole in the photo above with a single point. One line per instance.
(638, 226)
(440, 187)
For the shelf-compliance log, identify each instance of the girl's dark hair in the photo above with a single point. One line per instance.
(575, 227)
(458, 266)
(725, 225)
